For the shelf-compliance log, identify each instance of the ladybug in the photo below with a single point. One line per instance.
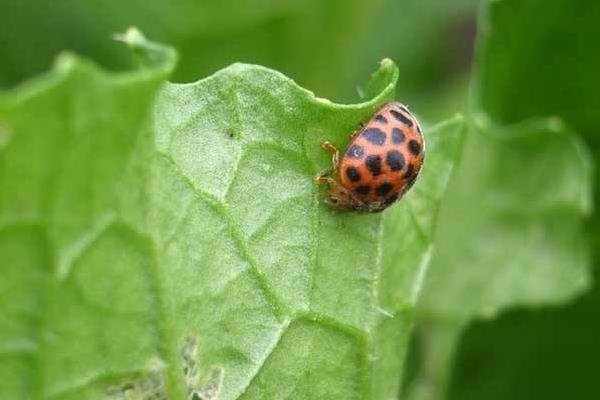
(381, 163)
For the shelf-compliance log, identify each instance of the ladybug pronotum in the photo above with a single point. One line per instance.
(380, 164)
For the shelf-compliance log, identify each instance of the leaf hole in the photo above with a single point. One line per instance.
(198, 388)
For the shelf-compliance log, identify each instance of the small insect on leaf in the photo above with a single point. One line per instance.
(379, 165)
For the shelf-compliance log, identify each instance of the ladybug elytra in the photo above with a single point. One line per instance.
(380, 164)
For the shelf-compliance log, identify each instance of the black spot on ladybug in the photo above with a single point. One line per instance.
(381, 118)
(355, 151)
(389, 200)
(395, 160)
(397, 136)
(402, 118)
(364, 189)
(414, 147)
(384, 189)
(373, 164)
(374, 135)
(353, 174)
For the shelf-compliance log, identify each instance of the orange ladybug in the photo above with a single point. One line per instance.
(381, 163)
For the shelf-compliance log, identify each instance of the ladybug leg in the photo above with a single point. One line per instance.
(335, 159)
(339, 197)
(323, 179)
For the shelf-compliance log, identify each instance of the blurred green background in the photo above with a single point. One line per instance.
(508, 60)
(327, 46)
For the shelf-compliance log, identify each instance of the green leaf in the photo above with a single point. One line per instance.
(166, 240)
(408, 232)
(511, 233)
(552, 73)
(522, 195)
(523, 189)
(536, 59)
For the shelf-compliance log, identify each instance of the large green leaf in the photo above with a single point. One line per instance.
(164, 239)
(537, 58)
(511, 232)
(522, 196)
